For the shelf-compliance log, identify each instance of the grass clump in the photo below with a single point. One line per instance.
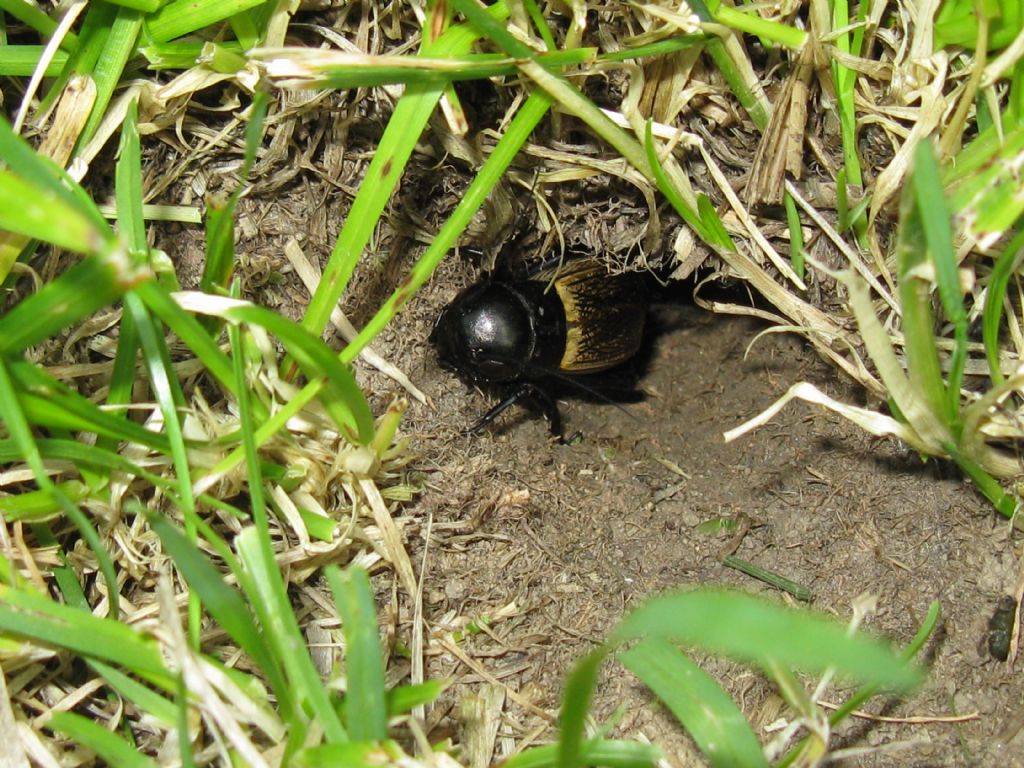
(167, 507)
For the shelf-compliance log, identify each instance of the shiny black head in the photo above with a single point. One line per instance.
(486, 334)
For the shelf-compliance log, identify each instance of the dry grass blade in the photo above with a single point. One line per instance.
(480, 715)
(780, 152)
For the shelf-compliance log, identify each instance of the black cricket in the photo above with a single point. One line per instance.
(525, 335)
(1000, 627)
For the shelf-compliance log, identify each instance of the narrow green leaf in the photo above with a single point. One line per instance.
(576, 697)
(609, 753)
(42, 620)
(120, 392)
(87, 287)
(935, 221)
(854, 702)
(36, 506)
(23, 61)
(49, 402)
(95, 28)
(166, 389)
(754, 630)
(113, 749)
(796, 234)
(923, 368)
(267, 594)
(403, 698)
(182, 54)
(32, 212)
(128, 185)
(1006, 265)
(220, 216)
(340, 394)
(22, 160)
(988, 485)
(518, 131)
(224, 603)
(142, 697)
(693, 219)
(745, 19)
(704, 709)
(21, 434)
(365, 699)
(108, 71)
(389, 160)
(182, 17)
(191, 333)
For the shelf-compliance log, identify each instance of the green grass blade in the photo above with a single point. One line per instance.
(120, 392)
(92, 39)
(167, 391)
(162, 380)
(128, 186)
(935, 221)
(141, 696)
(393, 152)
(365, 693)
(693, 218)
(224, 603)
(108, 71)
(731, 70)
(182, 17)
(220, 219)
(403, 698)
(23, 61)
(988, 194)
(40, 619)
(94, 458)
(42, 505)
(744, 19)
(21, 434)
(576, 698)
(191, 332)
(1006, 265)
(51, 402)
(923, 368)
(113, 749)
(846, 82)
(796, 233)
(33, 212)
(1004, 503)
(698, 702)
(540, 24)
(610, 753)
(339, 392)
(753, 630)
(182, 54)
(252, 464)
(22, 160)
(267, 594)
(853, 703)
(90, 285)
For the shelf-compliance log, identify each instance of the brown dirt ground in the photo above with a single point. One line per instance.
(574, 536)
